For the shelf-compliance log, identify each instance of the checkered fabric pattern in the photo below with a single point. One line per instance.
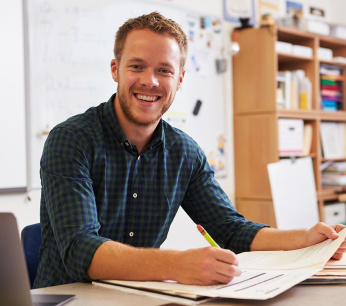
(96, 187)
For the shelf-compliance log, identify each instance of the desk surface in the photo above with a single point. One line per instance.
(88, 294)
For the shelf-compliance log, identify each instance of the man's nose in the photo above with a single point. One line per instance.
(149, 79)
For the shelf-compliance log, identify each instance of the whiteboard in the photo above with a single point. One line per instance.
(12, 105)
(69, 49)
(294, 193)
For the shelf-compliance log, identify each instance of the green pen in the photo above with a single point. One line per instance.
(207, 236)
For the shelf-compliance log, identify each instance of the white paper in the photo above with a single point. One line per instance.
(316, 255)
(294, 193)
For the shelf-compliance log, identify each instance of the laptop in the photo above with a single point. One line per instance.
(14, 279)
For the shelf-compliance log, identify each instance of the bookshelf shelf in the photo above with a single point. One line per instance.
(256, 112)
(341, 64)
(283, 57)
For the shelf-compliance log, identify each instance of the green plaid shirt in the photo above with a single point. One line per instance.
(95, 187)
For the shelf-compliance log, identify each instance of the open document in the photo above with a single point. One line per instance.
(264, 274)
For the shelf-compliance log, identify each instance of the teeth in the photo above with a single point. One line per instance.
(147, 98)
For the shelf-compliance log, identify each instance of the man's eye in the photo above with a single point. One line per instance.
(165, 71)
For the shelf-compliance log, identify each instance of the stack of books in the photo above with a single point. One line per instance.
(332, 82)
(334, 177)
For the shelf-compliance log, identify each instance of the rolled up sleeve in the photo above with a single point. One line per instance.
(69, 199)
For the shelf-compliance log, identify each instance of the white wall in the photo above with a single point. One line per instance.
(12, 77)
(25, 206)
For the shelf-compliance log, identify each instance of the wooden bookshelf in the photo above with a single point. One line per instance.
(256, 113)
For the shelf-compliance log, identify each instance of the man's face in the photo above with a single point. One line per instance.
(148, 76)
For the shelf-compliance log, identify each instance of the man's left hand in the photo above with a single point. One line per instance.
(322, 231)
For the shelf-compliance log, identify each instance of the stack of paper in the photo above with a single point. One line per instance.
(334, 272)
(264, 274)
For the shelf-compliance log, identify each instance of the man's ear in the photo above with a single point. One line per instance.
(114, 69)
(181, 78)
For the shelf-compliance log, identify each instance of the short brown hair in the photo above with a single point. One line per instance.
(154, 22)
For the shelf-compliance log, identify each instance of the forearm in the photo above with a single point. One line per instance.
(203, 266)
(114, 260)
(271, 239)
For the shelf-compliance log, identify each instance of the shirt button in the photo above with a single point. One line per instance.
(127, 144)
(135, 195)
(131, 234)
(138, 157)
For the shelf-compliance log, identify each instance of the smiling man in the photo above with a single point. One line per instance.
(114, 177)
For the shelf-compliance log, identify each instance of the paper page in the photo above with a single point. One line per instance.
(336, 264)
(262, 285)
(258, 285)
(168, 287)
(295, 259)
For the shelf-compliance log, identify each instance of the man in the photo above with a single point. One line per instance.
(114, 177)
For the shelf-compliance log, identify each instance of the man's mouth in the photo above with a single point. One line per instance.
(148, 98)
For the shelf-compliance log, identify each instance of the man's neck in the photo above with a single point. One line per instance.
(139, 136)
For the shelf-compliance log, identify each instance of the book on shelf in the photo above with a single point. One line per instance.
(333, 139)
(332, 86)
(293, 90)
(265, 274)
(283, 91)
(334, 176)
(307, 138)
(336, 167)
(336, 179)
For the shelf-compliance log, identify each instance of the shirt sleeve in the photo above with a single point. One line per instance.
(68, 194)
(207, 204)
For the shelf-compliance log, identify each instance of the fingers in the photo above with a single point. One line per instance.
(226, 256)
(326, 230)
(338, 256)
(225, 267)
(338, 227)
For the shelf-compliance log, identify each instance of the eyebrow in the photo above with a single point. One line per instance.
(139, 60)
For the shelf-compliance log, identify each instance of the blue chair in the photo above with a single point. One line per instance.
(31, 240)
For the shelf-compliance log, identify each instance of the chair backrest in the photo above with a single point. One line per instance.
(31, 239)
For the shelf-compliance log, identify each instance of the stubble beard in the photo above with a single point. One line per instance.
(130, 116)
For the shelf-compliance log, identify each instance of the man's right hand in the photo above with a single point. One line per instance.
(206, 266)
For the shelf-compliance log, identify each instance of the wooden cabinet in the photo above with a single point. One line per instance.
(256, 113)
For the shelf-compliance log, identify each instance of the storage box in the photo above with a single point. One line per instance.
(338, 31)
(318, 27)
(325, 54)
(291, 137)
(283, 47)
(302, 51)
(335, 213)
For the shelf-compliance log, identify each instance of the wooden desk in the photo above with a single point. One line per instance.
(90, 295)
